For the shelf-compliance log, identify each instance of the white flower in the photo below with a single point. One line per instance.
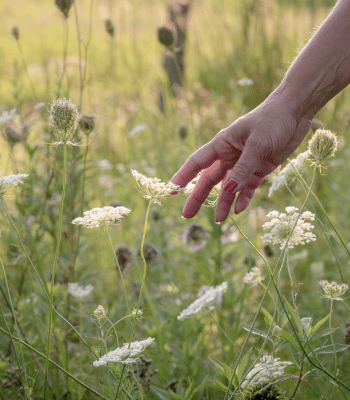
(125, 354)
(333, 290)
(229, 234)
(212, 295)
(11, 180)
(79, 291)
(152, 188)
(287, 174)
(245, 82)
(281, 226)
(98, 217)
(104, 165)
(100, 312)
(253, 277)
(267, 369)
(7, 116)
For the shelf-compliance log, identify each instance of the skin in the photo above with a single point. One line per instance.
(242, 154)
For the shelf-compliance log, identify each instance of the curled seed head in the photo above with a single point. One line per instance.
(322, 145)
(64, 117)
(150, 252)
(124, 256)
(15, 32)
(109, 25)
(166, 36)
(64, 6)
(87, 123)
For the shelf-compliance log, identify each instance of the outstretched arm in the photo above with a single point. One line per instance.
(254, 145)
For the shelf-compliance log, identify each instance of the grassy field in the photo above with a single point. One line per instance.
(153, 262)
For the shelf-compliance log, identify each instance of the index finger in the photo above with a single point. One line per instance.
(199, 160)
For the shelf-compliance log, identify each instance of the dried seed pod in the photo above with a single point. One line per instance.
(166, 36)
(15, 32)
(64, 6)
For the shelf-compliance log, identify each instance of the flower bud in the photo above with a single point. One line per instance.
(64, 6)
(166, 36)
(64, 117)
(15, 32)
(322, 145)
(183, 132)
(87, 123)
(109, 27)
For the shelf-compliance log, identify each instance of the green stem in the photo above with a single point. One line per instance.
(332, 340)
(55, 267)
(26, 69)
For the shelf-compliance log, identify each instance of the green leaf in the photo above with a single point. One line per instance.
(161, 394)
(220, 385)
(324, 333)
(268, 317)
(255, 331)
(306, 325)
(242, 366)
(318, 326)
(174, 396)
(294, 318)
(197, 389)
(330, 349)
(290, 339)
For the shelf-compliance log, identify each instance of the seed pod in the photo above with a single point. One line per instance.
(124, 256)
(109, 25)
(87, 123)
(166, 36)
(15, 32)
(64, 6)
(183, 132)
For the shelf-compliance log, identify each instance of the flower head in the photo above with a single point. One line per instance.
(195, 237)
(64, 117)
(10, 180)
(7, 116)
(101, 217)
(245, 82)
(267, 369)
(166, 36)
(125, 354)
(100, 312)
(322, 145)
(150, 252)
(333, 290)
(153, 188)
(15, 32)
(87, 123)
(124, 257)
(207, 295)
(281, 227)
(64, 6)
(79, 291)
(253, 277)
(109, 25)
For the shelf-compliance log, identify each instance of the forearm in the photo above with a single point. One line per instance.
(322, 69)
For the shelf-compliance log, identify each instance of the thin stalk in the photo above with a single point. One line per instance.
(65, 50)
(80, 58)
(332, 340)
(26, 69)
(55, 266)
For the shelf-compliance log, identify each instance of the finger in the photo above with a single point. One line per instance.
(212, 176)
(201, 159)
(246, 194)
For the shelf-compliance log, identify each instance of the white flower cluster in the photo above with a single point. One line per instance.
(245, 82)
(100, 312)
(11, 180)
(333, 290)
(104, 165)
(253, 277)
(207, 295)
(152, 188)
(79, 291)
(214, 193)
(267, 369)
(281, 226)
(125, 354)
(98, 217)
(287, 174)
(7, 116)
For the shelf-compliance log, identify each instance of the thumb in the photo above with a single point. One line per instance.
(248, 163)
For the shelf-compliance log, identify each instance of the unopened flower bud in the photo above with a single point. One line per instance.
(15, 32)
(109, 25)
(322, 145)
(64, 6)
(64, 117)
(183, 132)
(87, 123)
(166, 36)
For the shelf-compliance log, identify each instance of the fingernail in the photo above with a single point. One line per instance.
(230, 186)
(217, 222)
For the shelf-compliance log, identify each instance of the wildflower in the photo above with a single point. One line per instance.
(229, 234)
(79, 291)
(64, 117)
(282, 224)
(212, 295)
(322, 145)
(138, 315)
(104, 165)
(213, 193)
(109, 25)
(195, 237)
(166, 36)
(100, 312)
(153, 188)
(101, 217)
(333, 290)
(15, 32)
(87, 123)
(245, 82)
(64, 6)
(11, 180)
(268, 250)
(288, 174)
(124, 257)
(7, 116)
(267, 369)
(125, 354)
(260, 392)
(150, 252)
(253, 277)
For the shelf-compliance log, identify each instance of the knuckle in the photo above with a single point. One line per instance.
(241, 170)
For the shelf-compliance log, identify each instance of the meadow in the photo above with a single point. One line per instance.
(134, 301)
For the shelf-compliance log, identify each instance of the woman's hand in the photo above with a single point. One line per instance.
(242, 155)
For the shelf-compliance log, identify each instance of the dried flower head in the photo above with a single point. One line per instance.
(212, 296)
(195, 237)
(15, 32)
(109, 25)
(64, 6)
(281, 227)
(125, 354)
(150, 252)
(79, 291)
(261, 392)
(333, 290)
(100, 312)
(87, 123)
(266, 370)
(64, 117)
(10, 180)
(322, 145)
(253, 277)
(153, 188)
(101, 217)
(166, 36)
(124, 256)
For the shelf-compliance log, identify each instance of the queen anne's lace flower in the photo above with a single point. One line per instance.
(98, 217)
(207, 295)
(79, 291)
(10, 180)
(214, 193)
(253, 277)
(333, 290)
(267, 369)
(153, 188)
(125, 354)
(281, 226)
(287, 174)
